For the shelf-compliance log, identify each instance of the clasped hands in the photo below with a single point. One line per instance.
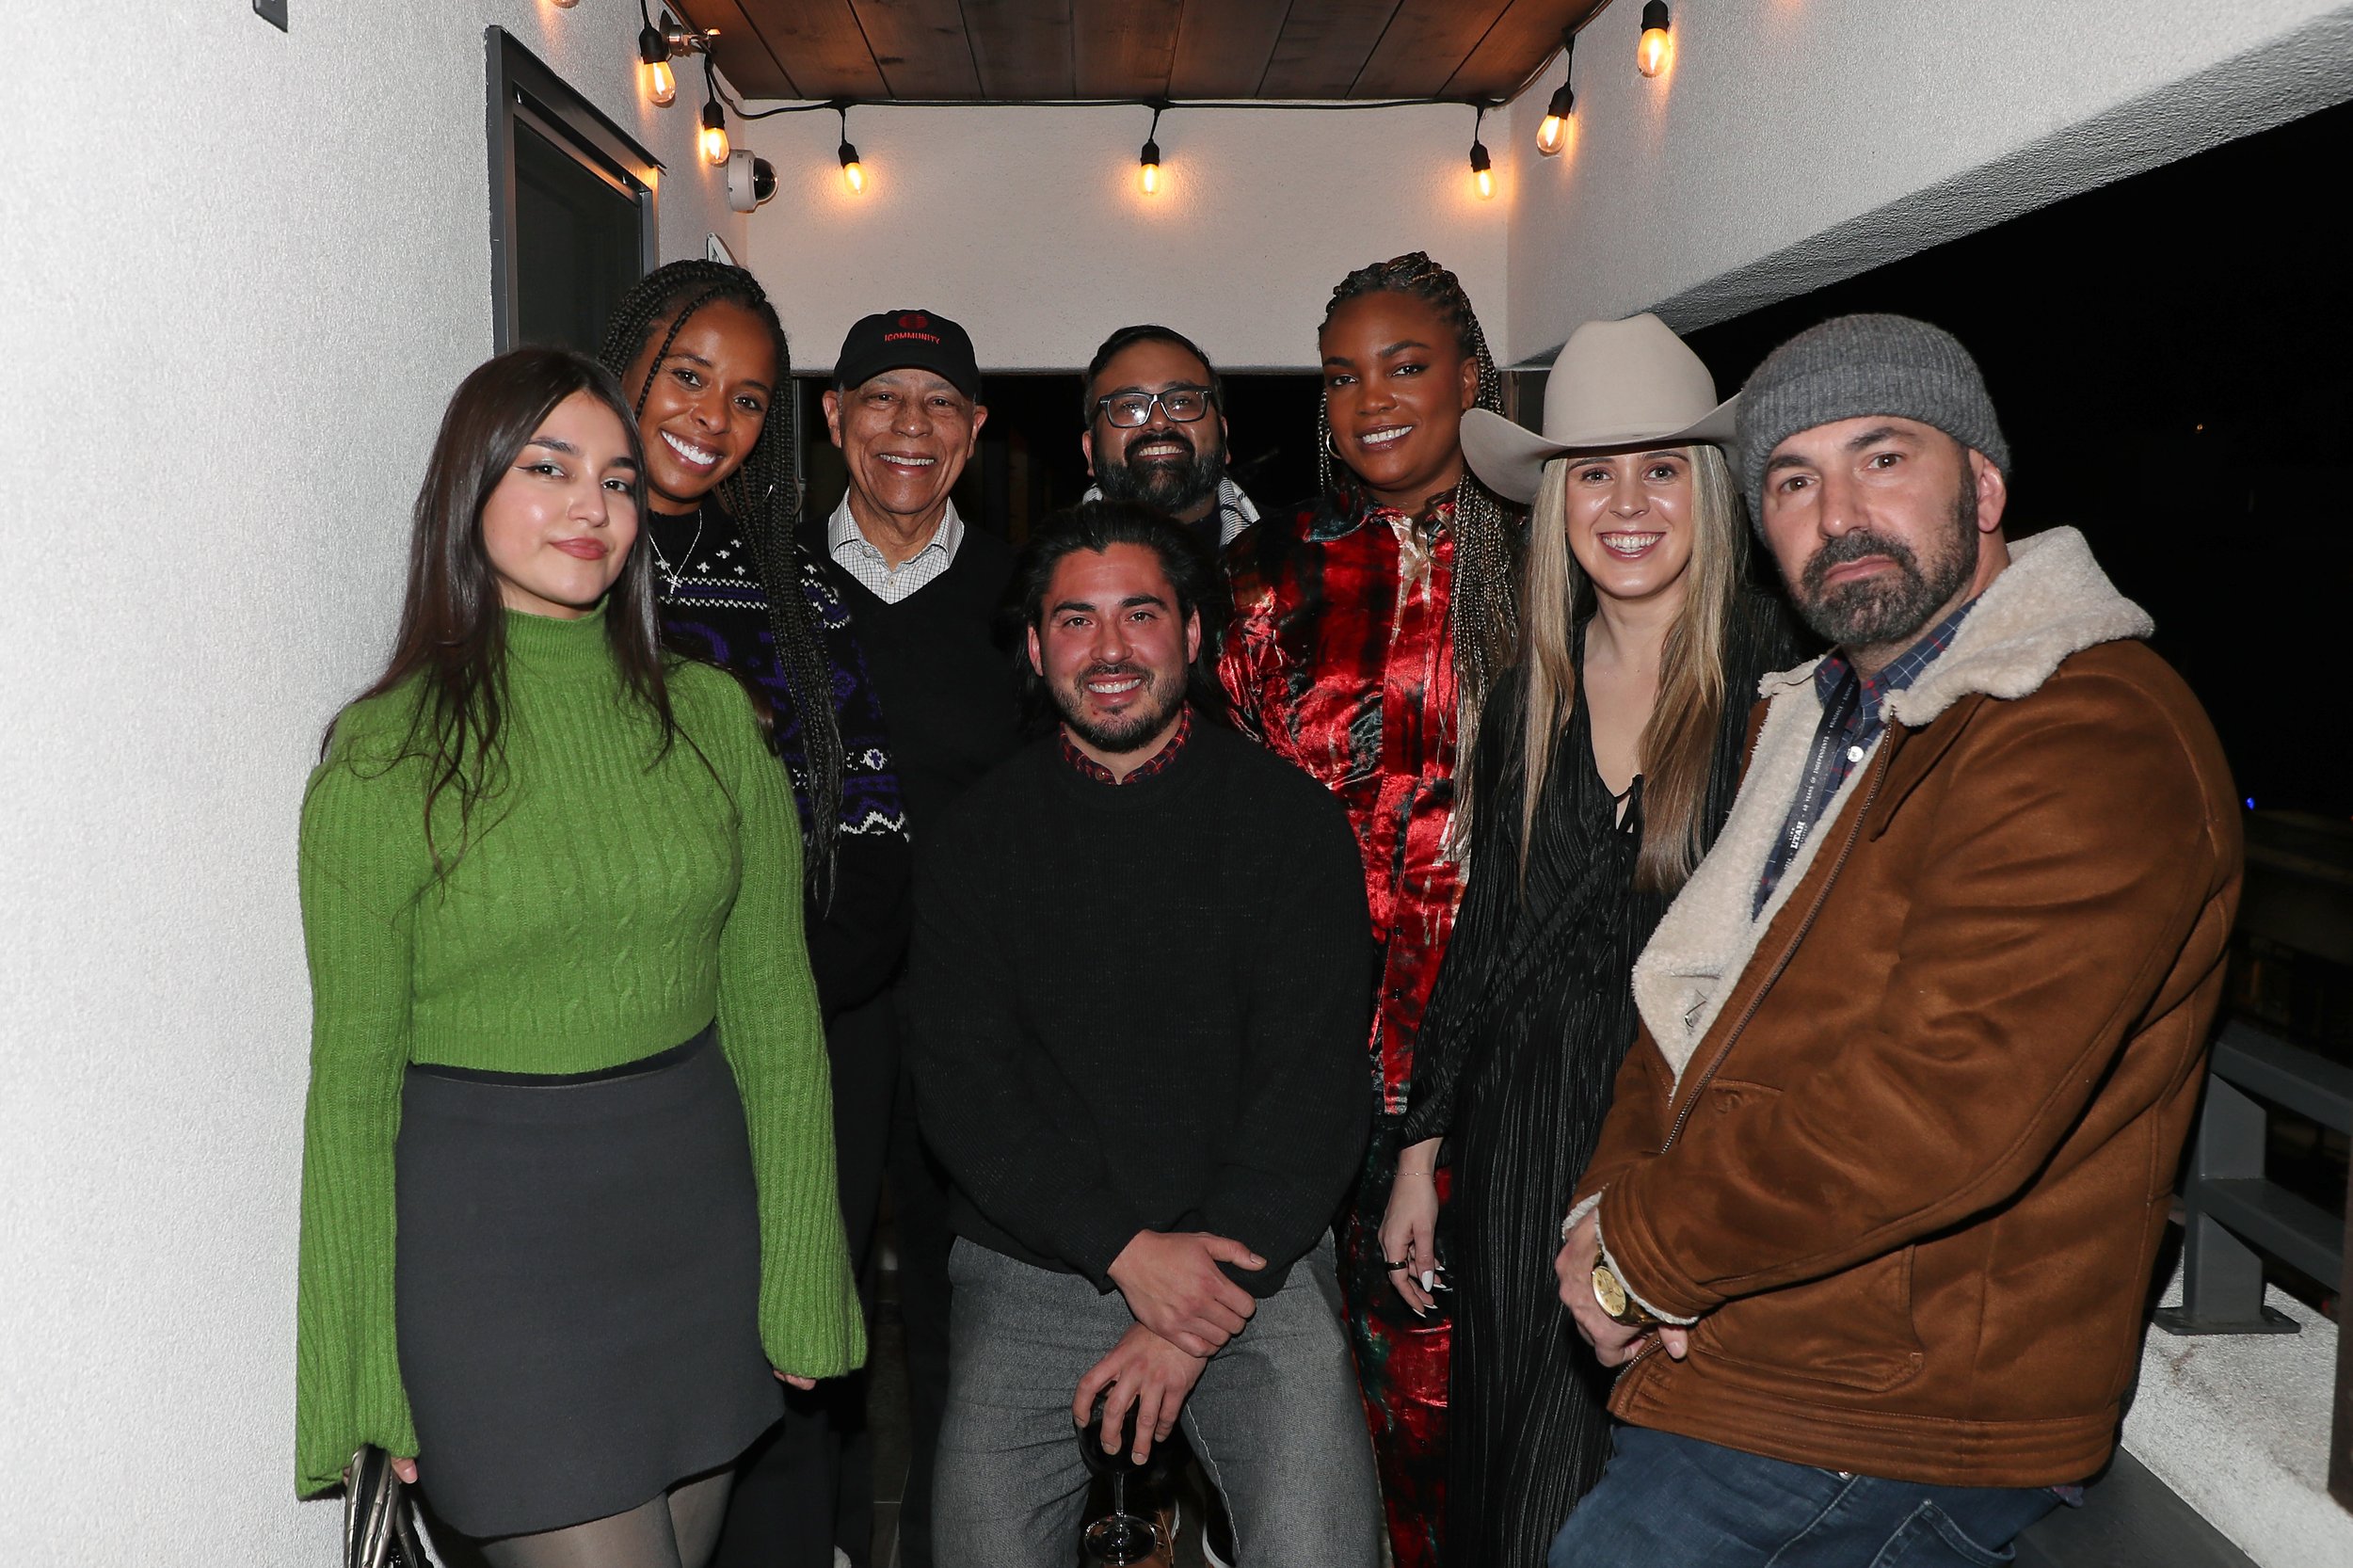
(1185, 1308)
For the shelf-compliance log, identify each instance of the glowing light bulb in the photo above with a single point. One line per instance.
(715, 134)
(1553, 133)
(1148, 169)
(1650, 56)
(653, 67)
(853, 173)
(1483, 171)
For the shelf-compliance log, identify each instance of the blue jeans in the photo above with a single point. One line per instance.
(1676, 1500)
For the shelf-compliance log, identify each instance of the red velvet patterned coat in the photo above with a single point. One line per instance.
(1341, 658)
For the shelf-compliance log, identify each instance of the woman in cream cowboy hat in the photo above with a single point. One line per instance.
(1604, 769)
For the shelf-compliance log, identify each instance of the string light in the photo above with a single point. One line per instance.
(1554, 133)
(657, 46)
(1149, 162)
(715, 131)
(1551, 136)
(1650, 56)
(853, 173)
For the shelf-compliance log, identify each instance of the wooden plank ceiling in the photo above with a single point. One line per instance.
(990, 51)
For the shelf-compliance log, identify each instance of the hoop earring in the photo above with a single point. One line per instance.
(1332, 448)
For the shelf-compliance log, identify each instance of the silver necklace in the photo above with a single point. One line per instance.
(669, 570)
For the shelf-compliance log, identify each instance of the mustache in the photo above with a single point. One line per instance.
(1172, 434)
(1857, 546)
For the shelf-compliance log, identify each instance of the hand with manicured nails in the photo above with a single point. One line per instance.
(1143, 1370)
(1409, 1228)
(1174, 1285)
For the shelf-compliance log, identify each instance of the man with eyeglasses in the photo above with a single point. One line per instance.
(1156, 432)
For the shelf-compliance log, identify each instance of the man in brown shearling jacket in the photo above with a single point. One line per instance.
(1875, 1210)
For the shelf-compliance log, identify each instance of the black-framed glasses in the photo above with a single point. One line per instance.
(1182, 405)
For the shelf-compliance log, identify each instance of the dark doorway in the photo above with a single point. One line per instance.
(2172, 358)
(572, 207)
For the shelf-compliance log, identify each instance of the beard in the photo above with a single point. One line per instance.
(1175, 485)
(1128, 732)
(1893, 607)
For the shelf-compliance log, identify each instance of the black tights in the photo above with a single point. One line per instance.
(676, 1529)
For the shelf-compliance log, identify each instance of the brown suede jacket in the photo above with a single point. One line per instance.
(1903, 1143)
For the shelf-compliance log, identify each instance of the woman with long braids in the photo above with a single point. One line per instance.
(704, 362)
(1606, 763)
(1369, 626)
(568, 1170)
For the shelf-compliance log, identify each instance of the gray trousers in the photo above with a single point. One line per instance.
(1275, 1420)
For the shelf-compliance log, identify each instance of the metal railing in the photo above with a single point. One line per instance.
(2230, 1208)
(2298, 906)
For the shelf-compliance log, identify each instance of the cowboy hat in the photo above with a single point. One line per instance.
(1615, 385)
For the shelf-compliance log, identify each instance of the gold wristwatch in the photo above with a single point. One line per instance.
(1615, 1300)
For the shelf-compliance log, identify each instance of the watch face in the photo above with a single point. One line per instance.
(1608, 1292)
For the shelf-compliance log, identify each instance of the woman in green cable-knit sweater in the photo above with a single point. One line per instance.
(542, 865)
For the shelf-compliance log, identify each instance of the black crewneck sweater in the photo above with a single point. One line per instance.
(1141, 1006)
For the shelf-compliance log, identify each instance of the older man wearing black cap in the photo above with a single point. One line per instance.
(923, 589)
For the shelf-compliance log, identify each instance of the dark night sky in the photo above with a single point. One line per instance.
(2111, 327)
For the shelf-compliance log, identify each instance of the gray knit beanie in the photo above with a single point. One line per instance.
(1850, 367)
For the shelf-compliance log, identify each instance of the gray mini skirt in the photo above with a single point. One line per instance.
(577, 1287)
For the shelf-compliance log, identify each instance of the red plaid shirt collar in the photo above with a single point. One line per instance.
(1159, 763)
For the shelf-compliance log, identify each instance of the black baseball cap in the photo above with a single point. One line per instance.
(908, 340)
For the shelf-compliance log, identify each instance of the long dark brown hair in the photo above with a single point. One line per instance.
(763, 499)
(452, 641)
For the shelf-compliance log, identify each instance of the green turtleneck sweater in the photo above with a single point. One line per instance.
(606, 907)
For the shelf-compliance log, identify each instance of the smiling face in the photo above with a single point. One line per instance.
(708, 402)
(1162, 463)
(559, 524)
(1113, 651)
(904, 435)
(1396, 382)
(1631, 521)
(1880, 525)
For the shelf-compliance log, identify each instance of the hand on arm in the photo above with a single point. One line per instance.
(1409, 1229)
(1146, 1372)
(1174, 1285)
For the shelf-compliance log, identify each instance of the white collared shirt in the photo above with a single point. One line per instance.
(855, 554)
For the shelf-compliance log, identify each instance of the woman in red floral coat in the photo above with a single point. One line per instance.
(1368, 626)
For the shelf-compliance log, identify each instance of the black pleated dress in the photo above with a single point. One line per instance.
(1532, 1014)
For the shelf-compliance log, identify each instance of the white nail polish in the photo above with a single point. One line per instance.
(1429, 1278)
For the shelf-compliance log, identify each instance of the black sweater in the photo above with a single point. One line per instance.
(1141, 1006)
(947, 687)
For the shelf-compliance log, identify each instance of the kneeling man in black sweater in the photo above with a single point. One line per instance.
(1136, 1008)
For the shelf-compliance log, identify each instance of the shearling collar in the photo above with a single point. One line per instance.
(2052, 602)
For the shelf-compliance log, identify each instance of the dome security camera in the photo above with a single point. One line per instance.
(750, 180)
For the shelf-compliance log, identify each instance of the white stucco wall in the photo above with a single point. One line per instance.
(1026, 225)
(242, 272)
(1794, 142)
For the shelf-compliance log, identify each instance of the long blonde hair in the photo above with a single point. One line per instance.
(1678, 745)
